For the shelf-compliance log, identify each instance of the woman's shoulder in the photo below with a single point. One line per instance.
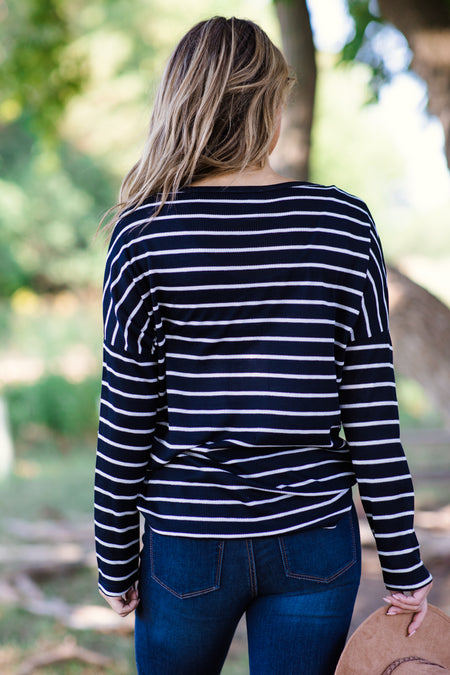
(284, 186)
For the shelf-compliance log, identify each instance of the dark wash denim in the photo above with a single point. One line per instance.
(296, 590)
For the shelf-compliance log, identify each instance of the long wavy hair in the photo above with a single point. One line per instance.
(215, 111)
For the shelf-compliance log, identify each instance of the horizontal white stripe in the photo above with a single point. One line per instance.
(126, 394)
(198, 216)
(250, 357)
(273, 516)
(242, 200)
(188, 483)
(132, 378)
(411, 587)
(116, 514)
(400, 552)
(275, 430)
(189, 288)
(253, 268)
(262, 393)
(393, 516)
(369, 443)
(126, 359)
(127, 413)
(111, 460)
(278, 376)
(369, 404)
(372, 462)
(387, 498)
(221, 502)
(108, 561)
(389, 479)
(347, 200)
(367, 385)
(268, 532)
(278, 454)
(257, 338)
(115, 479)
(106, 576)
(257, 249)
(289, 469)
(249, 321)
(253, 411)
(316, 480)
(369, 347)
(129, 544)
(403, 569)
(370, 423)
(116, 497)
(109, 441)
(258, 303)
(240, 502)
(392, 535)
(366, 366)
(126, 430)
(110, 528)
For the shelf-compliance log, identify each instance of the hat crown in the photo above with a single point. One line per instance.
(381, 646)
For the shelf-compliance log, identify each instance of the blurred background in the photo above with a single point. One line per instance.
(370, 113)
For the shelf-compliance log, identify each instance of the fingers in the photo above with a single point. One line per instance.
(123, 604)
(406, 603)
(417, 619)
(415, 604)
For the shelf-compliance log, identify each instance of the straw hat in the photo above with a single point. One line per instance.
(381, 646)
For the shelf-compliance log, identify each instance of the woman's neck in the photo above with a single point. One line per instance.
(250, 176)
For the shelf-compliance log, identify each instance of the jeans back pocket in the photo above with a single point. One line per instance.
(321, 554)
(184, 566)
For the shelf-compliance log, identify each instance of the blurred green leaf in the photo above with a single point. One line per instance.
(55, 404)
(40, 67)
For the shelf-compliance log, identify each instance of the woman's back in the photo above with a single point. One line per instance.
(246, 327)
(245, 300)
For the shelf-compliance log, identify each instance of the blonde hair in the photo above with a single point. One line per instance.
(215, 110)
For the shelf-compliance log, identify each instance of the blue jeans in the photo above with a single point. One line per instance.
(296, 590)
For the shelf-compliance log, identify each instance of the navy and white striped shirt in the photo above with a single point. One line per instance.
(248, 379)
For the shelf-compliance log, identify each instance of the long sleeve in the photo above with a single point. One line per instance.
(127, 419)
(371, 425)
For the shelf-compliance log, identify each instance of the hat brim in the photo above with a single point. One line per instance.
(382, 639)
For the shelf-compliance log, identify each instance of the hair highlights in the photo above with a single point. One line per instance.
(215, 109)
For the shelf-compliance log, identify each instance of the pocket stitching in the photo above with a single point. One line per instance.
(309, 577)
(192, 594)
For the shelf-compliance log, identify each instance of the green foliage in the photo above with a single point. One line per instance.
(76, 79)
(50, 206)
(40, 68)
(362, 16)
(53, 403)
(364, 45)
(416, 410)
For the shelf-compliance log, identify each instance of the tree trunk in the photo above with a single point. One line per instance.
(420, 328)
(420, 323)
(426, 26)
(292, 154)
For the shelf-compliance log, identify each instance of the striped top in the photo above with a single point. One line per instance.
(248, 379)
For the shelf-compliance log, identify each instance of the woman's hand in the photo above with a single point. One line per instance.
(416, 604)
(123, 604)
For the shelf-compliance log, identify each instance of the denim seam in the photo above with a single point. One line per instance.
(251, 568)
(192, 594)
(308, 577)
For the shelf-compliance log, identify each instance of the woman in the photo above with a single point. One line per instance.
(245, 327)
